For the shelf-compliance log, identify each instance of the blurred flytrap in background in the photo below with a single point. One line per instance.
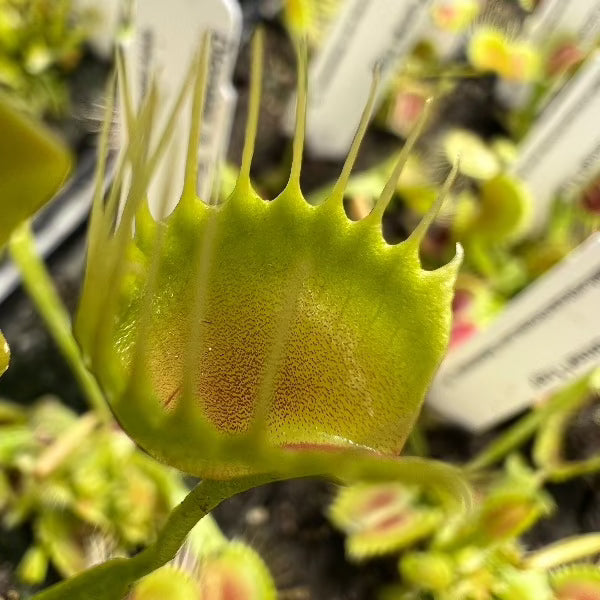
(482, 554)
(209, 566)
(82, 486)
(41, 43)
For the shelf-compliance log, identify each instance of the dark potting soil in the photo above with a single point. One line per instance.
(286, 521)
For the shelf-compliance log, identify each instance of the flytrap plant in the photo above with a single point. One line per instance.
(41, 42)
(460, 559)
(242, 338)
(482, 555)
(491, 50)
(209, 566)
(80, 485)
(252, 341)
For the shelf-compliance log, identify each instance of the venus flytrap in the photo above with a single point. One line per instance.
(478, 556)
(474, 306)
(510, 506)
(455, 15)
(491, 50)
(78, 484)
(382, 518)
(252, 341)
(577, 582)
(40, 44)
(211, 567)
(548, 451)
(501, 216)
(253, 294)
(503, 203)
(477, 160)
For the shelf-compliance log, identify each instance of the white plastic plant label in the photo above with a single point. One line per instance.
(562, 150)
(548, 336)
(167, 36)
(580, 19)
(364, 34)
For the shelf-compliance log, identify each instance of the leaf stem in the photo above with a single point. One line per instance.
(569, 470)
(113, 579)
(564, 551)
(40, 288)
(526, 427)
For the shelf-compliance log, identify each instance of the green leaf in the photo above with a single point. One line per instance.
(33, 166)
(4, 354)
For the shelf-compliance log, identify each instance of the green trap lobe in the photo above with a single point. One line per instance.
(224, 334)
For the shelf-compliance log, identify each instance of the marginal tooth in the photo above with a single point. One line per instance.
(125, 94)
(99, 178)
(98, 228)
(117, 250)
(388, 192)
(253, 109)
(116, 190)
(140, 174)
(145, 227)
(335, 201)
(413, 242)
(300, 131)
(167, 133)
(188, 195)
